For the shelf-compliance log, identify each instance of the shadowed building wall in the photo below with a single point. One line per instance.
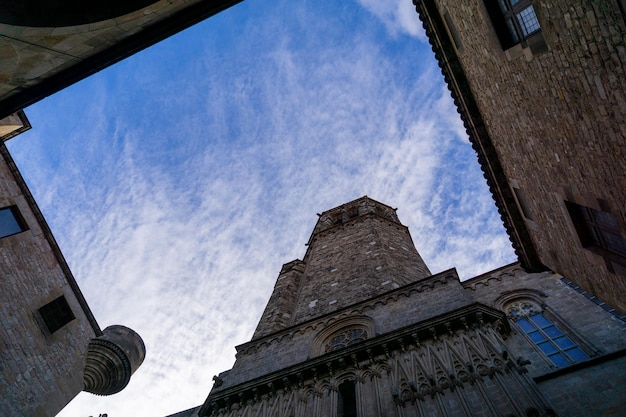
(541, 88)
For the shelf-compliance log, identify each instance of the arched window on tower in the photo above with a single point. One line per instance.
(345, 338)
(560, 349)
(341, 334)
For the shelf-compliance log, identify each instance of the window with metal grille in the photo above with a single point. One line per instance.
(56, 314)
(558, 347)
(11, 221)
(513, 20)
(597, 229)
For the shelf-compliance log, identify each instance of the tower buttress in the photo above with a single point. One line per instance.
(278, 313)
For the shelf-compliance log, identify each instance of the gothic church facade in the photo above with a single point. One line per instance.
(360, 327)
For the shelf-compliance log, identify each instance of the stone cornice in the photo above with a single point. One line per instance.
(495, 275)
(507, 271)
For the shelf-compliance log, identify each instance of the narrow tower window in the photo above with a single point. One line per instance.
(346, 406)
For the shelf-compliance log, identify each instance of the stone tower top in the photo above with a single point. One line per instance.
(357, 251)
(349, 211)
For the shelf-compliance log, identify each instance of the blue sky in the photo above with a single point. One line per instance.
(180, 180)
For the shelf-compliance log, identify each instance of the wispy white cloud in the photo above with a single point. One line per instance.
(177, 193)
(398, 16)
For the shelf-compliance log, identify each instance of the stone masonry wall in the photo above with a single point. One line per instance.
(558, 122)
(357, 260)
(280, 307)
(591, 392)
(41, 373)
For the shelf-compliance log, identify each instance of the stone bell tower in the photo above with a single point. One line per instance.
(357, 251)
(361, 328)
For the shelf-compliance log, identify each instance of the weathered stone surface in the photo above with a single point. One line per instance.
(41, 372)
(556, 117)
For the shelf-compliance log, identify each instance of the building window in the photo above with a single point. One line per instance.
(346, 406)
(11, 222)
(522, 202)
(56, 314)
(514, 20)
(342, 333)
(597, 229)
(345, 338)
(551, 341)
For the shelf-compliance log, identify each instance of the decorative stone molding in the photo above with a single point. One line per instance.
(374, 357)
(498, 275)
(526, 294)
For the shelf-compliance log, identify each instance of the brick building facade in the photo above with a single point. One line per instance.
(541, 88)
(51, 347)
(360, 328)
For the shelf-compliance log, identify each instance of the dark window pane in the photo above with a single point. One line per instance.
(541, 321)
(563, 342)
(559, 360)
(593, 238)
(347, 400)
(9, 224)
(512, 31)
(536, 337)
(525, 325)
(577, 355)
(597, 228)
(615, 243)
(605, 220)
(547, 348)
(552, 332)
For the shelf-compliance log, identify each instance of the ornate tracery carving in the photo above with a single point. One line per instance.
(343, 333)
(345, 338)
